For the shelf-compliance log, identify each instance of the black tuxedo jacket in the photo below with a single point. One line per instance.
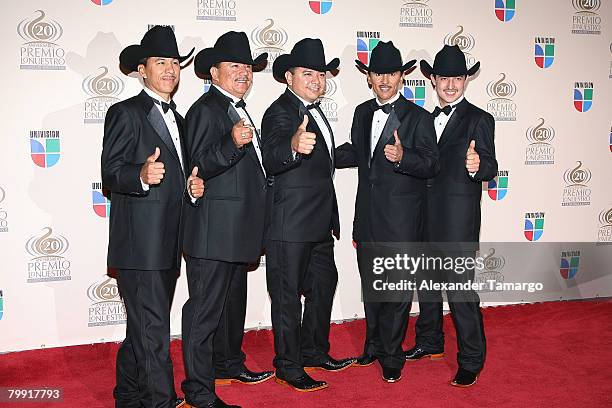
(304, 207)
(145, 226)
(391, 197)
(227, 223)
(453, 197)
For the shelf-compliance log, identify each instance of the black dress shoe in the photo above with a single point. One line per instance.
(391, 374)
(246, 377)
(217, 403)
(180, 402)
(417, 353)
(365, 360)
(332, 365)
(464, 378)
(304, 383)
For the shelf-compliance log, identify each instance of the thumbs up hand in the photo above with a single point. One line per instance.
(152, 171)
(472, 159)
(195, 184)
(303, 141)
(394, 152)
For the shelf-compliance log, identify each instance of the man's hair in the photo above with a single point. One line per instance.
(143, 61)
(292, 70)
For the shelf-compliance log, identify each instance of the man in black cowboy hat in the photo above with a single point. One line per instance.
(145, 169)
(393, 143)
(298, 150)
(467, 158)
(224, 230)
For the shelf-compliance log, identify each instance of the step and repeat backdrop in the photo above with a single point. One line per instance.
(546, 76)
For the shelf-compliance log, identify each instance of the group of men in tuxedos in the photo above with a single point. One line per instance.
(215, 190)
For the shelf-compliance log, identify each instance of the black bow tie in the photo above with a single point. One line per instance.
(165, 106)
(313, 105)
(446, 110)
(240, 104)
(385, 108)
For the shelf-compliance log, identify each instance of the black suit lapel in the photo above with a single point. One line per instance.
(181, 127)
(156, 120)
(367, 134)
(453, 123)
(394, 120)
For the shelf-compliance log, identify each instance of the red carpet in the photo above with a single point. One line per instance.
(552, 354)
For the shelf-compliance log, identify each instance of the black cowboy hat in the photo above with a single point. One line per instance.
(449, 62)
(385, 58)
(307, 53)
(230, 47)
(159, 41)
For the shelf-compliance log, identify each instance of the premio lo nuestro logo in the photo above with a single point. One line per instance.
(492, 271)
(534, 226)
(328, 105)
(501, 105)
(498, 187)
(45, 147)
(465, 42)
(103, 91)
(270, 39)
(569, 264)
(41, 51)
(414, 91)
(101, 2)
(540, 150)
(320, 7)
(544, 53)
(416, 13)
(3, 212)
(586, 19)
(583, 96)
(576, 191)
(505, 9)
(48, 263)
(106, 307)
(604, 235)
(366, 41)
(216, 10)
(101, 204)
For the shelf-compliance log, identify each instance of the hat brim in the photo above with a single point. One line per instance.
(286, 61)
(131, 56)
(427, 70)
(387, 70)
(205, 59)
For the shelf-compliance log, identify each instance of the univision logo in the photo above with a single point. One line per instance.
(269, 39)
(498, 187)
(501, 105)
(414, 91)
(569, 264)
(45, 147)
(103, 91)
(583, 96)
(106, 307)
(40, 51)
(544, 53)
(465, 42)
(492, 271)
(48, 263)
(101, 204)
(328, 105)
(586, 20)
(101, 2)
(1, 304)
(416, 13)
(540, 151)
(320, 7)
(366, 41)
(605, 229)
(534, 226)
(576, 191)
(505, 9)
(216, 10)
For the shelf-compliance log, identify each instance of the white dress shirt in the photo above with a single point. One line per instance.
(172, 126)
(243, 115)
(378, 123)
(442, 119)
(320, 122)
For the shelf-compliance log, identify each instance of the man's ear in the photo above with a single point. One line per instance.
(288, 77)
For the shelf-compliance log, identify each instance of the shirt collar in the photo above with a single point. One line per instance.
(155, 96)
(229, 95)
(304, 101)
(457, 102)
(390, 101)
